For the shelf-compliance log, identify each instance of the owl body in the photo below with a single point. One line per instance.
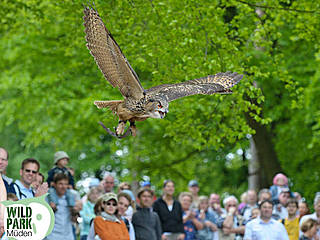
(139, 103)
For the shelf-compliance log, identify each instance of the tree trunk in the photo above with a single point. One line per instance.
(266, 156)
(253, 168)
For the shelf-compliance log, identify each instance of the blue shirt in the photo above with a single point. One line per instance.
(260, 230)
(87, 214)
(24, 192)
(189, 229)
(62, 224)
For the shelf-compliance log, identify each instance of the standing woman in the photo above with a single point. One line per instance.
(191, 220)
(124, 202)
(87, 212)
(170, 213)
(107, 226)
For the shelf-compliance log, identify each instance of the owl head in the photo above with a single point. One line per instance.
(157, 107)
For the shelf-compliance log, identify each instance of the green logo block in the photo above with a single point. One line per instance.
(30, 218)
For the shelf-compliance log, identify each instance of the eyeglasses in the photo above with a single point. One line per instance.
(110, 204)
(29, 171)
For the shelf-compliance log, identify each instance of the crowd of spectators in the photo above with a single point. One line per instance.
(274, 213)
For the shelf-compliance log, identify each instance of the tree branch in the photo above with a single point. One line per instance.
(276, 8)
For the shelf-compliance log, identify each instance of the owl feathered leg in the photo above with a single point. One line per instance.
(133, 128)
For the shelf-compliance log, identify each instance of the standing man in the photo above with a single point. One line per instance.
(108, 182)
(251, 204)
(146, 223)
(194, 190)
(4, 156)
(232, 222)
(215, 205)
(264, 227)
(62, 224)
(28, 173)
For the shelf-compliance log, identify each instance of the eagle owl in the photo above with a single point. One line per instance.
(139, 103)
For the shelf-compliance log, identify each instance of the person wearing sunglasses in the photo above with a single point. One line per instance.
(28, 173)
(107, 225)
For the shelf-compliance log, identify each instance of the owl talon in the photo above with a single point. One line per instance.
(120, 128)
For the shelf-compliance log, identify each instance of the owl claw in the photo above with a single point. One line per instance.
(120, 128)
(114, 134)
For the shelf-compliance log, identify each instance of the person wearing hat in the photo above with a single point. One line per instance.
(61, 159)
(194, 190)
(107, 225)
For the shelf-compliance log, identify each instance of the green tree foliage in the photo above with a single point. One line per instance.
(49, 82)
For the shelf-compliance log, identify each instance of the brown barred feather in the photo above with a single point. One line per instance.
(112, 105)
(108, 56)
(219, 83)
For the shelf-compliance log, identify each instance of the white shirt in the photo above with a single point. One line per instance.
(260, 230)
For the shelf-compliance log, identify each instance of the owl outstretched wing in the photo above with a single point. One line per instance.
(219, 83)
(109, 57)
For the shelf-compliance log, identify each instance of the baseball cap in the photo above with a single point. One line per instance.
(109, 196)
(146, 183)
(193, 183)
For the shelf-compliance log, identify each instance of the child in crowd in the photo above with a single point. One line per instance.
(255, 213)
(61, 160)
(12, 197)
(291, 223)
(280, 182)
(303, 209)
(37, 182)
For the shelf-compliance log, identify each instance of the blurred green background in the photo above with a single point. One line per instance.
(48, 82)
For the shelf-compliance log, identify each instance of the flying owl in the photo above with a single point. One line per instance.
(139, 103)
